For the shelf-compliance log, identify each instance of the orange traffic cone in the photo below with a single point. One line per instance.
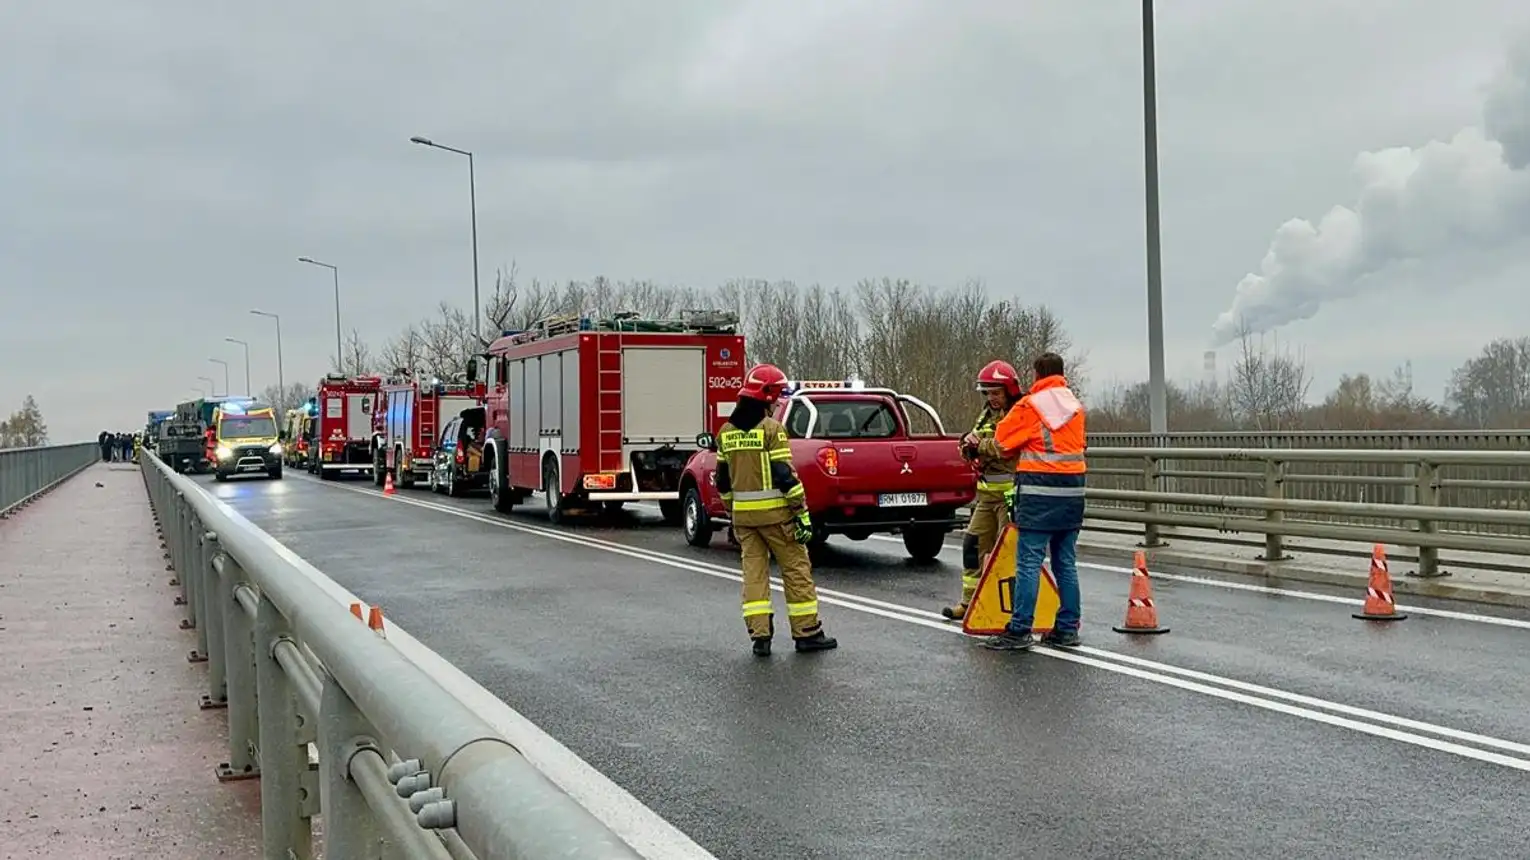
(1141, 614)
(388, 485)
(375, 621)
(356, 611)
(1378, 592)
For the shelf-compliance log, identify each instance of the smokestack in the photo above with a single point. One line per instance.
(1470, 192)
(1209, 366)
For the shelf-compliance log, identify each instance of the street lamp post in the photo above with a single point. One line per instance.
(281, 380)
(334, 270)
(1158, 394)
(247, 391)
(227, 389)
(473, 213)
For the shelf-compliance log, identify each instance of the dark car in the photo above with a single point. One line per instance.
(457, 458)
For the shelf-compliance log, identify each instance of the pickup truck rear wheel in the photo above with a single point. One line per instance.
(697, 524)
(924, 543)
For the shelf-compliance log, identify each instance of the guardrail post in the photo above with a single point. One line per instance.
(1427, 488)
(286, 833)
(196, 573)
(239, 657)
(1274, 490)
(350, 827)
(215, 610)
(1151, 481)
(180, 512)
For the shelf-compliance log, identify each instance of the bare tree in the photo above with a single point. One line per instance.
(405, 351)
(1493, 389)
(1269, 386)
(285, 400)
(356, 357)
(25, 428)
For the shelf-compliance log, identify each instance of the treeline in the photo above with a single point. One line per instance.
(914, 337)
(929, 341)
(25, 428)
(1267, 389)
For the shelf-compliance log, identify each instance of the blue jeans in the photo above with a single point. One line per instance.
(1030, 552)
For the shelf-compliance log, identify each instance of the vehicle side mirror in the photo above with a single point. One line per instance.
(472, 369)
(706, 442)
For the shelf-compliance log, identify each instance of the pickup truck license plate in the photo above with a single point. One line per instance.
(902, 500)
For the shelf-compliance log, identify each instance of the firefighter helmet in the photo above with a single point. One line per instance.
(763, 382)
(999, 374)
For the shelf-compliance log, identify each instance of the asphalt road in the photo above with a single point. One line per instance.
(1264, 725)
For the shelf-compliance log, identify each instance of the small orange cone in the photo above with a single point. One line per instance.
(1378, 592)
(388, 485)
(1141, 614)
(375, 621)
(356, 611)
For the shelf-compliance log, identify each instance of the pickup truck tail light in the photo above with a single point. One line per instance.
(828, 460)
(459, 457)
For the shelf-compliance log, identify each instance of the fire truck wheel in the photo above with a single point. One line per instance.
(499, 488)
(673, 511)
(553, 492)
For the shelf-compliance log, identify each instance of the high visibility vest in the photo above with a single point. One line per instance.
(1050, 472)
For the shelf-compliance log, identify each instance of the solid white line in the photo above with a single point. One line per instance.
(1161, 673)
(1282, 592)
(640, 827)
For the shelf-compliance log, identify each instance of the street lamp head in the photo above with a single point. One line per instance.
(423, 141)
(305, 260)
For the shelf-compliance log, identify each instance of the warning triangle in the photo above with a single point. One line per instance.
(994, 601)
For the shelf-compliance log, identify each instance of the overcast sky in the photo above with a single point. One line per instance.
(163, 164)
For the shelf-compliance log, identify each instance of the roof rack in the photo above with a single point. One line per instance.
(691, 321)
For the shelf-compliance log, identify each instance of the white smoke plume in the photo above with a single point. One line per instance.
(1472, 191)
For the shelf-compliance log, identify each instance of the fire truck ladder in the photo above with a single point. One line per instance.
(608, 387)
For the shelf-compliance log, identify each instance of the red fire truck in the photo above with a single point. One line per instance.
(606, 411)
(410, 414)
(342, 424)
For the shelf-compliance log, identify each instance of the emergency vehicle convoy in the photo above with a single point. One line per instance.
(605, 410)
(871, 460)
(410, 415)
(342, 439)
(296, 435)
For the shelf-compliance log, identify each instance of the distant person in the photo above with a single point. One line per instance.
(105, 441)
(1046, 430)
(125, 447)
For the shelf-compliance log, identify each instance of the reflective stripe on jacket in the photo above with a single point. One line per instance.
(761, 486)
(1046, 430)
(996, 472)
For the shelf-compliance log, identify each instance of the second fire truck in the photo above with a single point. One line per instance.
(410, 415)
(342, 425)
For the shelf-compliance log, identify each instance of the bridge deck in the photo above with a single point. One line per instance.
(106, 751)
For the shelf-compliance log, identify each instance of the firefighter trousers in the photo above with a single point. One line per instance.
(757, 544)
(989, 514)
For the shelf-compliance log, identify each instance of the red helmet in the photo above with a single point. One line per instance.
(999, 374)
(763, 382)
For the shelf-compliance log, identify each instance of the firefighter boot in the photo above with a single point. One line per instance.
(761, 646)
(816, 642)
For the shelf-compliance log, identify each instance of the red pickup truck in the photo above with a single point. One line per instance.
(871, 460)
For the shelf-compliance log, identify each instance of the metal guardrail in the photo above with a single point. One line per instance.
(404, 768)
(1428, 499)
(26, 473)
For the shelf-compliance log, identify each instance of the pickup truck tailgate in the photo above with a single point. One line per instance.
(896, 472)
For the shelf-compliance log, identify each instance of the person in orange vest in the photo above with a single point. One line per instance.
(1046, 430)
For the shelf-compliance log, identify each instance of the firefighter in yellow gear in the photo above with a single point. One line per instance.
(996, 479)
(768, 509)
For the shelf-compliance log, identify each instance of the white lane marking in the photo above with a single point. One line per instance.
(640, 827)
(1455, 615)
(1136, 667)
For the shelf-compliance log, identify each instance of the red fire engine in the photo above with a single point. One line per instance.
(606, 411)
(343, 424)
(410, 414)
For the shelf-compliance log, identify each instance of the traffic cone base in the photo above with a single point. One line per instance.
(1141, 613)
(1378, 591)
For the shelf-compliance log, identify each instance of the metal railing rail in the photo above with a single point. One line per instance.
(1408, 506)
(26, 473)
(293, 667)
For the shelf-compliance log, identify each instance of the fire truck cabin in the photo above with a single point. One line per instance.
(606, 411)
(343, 425)
(412, 412)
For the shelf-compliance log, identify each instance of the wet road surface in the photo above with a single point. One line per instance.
(1263, 726)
